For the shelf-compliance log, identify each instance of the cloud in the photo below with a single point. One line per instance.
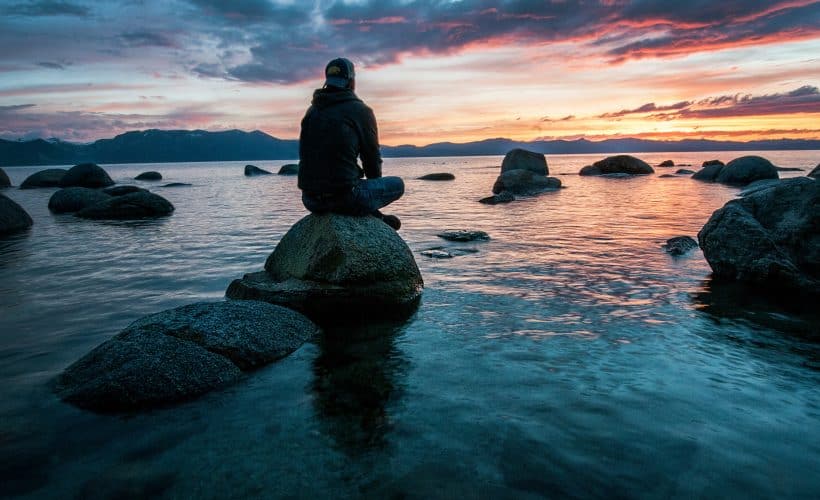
(805, 99)
(14, 108)
(51, 65)
(146, 39)
(554, 120)
(43, 8)
(646, 108)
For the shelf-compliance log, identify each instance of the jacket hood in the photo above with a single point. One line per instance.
(323, 98)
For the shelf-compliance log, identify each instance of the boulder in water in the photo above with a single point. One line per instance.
(745, 170)
(13, 217)
(519, 181)
(503, 197)
(815, 173)
(175, 184)
(252, 170)
(463, 235)
(684, 171)
(521, 159)
(87, 175)
(708, 173)
(149, 176)
(438, 176)
(769, 237)
(122, 190)
(666, 163)
(680, 245)
(181, 353)
(338, 269)
(288, 169)
(620, 164)
(709, 163)
(73, 199)
(136, 205)
(4, 179)
(49, 177)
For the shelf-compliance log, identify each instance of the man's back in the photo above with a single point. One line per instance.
(337, 128)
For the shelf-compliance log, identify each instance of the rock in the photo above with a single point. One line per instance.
(708, 173)
(4, 179)
(181, 353)
(86, 175)
(519, 181)
(287, 169)
(50, 177)
(175, 184)
(788, 169)
(815, 172)
(13, 217)
(251, 170)
(667, 163)
(672, 176)
(437, 253)
(441, 176)
(463, 235)
(680, 245)
(769, 238)
(745, 170)
(74, 199)
(759, 185)
(121, 190)
(149, 176)
(130, 206)
(338, 268)
(684, 171)
(709, 163)
(521, 159)
(620, 164)
(503, 197)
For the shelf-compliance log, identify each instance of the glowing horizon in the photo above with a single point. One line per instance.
(432, 71)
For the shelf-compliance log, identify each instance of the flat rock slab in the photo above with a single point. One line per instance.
(181, 353)
(463, 235)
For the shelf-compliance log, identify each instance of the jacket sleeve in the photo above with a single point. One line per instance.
(369, 147)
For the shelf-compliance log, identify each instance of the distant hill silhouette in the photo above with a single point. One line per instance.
(160, 146)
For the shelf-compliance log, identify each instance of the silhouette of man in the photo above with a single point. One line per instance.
(338, 128)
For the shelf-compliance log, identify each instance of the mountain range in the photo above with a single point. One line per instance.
(160, 146)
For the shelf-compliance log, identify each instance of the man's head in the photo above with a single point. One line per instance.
(339, 73)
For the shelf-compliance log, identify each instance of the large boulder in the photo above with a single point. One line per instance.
(13, 217)
(709, 163)
(122, 190)
(181, 353)
(149, 176)
(519, 181)
(620, 164)
(289, 169)
(815, 172)
(337, 268)
(75, 198)
(709, 172)
(49, 177)
(770, 237)
(745, 170)
(4, 179)
(252, 170)
(87, 175)
(130, 206)
(521, 159)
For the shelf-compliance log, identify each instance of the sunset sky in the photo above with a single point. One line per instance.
(431, 70)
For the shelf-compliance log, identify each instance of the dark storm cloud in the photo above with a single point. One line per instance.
(46, 8)
(255, 11)
(805, 99)
(146, 39)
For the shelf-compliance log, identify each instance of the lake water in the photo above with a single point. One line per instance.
(569, 356)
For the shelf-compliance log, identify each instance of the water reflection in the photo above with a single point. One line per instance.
(357, 374)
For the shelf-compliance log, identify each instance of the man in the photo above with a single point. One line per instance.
(337, 129)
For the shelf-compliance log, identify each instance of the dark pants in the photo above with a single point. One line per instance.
(366, 197)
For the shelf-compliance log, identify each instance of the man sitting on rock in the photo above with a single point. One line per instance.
(337, 129)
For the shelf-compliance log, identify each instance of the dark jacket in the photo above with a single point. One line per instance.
(337, 128)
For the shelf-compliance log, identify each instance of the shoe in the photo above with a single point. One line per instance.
(392, 221)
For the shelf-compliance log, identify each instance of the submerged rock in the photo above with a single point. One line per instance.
(503, 197)
(680, 245)
(668, 176)
(73, 199)
(521, 159)
(13, 217)
(745, 170)
(49, 177)
(288, 169)
(440, 176)
(175, 184)
(667, 163)
(337, 268)
(709, 163)
(620, 164)
(4, 179)
(181, 353)
(769, 237)
(463, 235)
(87, 175)
(130, 206)
(437, 253)
(252, 170)
(684, 171)
(122, 190)
(149, 176)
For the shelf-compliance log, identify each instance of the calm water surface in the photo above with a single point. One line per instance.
(568, 357)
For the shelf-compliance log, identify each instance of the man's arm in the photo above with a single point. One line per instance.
(370, 153)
